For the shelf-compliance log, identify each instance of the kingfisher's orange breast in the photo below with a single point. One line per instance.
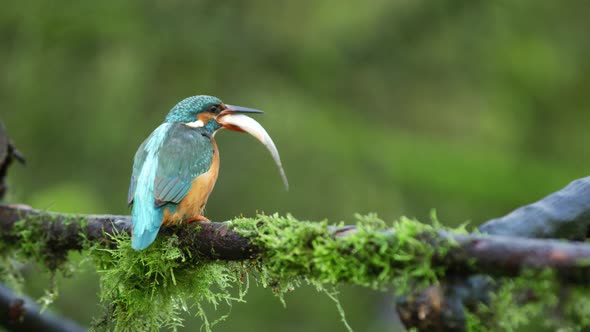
(196, 198)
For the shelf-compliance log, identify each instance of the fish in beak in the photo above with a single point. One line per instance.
(232, 118)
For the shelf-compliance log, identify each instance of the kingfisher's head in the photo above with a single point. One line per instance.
(205, 111)
(211, 113)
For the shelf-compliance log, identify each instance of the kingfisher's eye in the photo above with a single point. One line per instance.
(214, 109)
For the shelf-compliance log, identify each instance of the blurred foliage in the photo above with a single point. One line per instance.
(472, 107)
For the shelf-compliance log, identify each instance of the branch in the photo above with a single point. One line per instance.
(563, 214)
(497, 255)
(63, 231)
(18, 313)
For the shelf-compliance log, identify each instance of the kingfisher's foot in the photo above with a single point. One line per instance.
(197, 218)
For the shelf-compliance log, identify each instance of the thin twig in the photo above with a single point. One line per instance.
(8, 153)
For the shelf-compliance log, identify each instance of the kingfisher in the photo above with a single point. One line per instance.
(176, 167)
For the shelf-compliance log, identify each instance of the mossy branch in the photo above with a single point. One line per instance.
(460, 254)
(322, 254)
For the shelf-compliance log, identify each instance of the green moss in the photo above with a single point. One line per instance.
(149, 289)
(375, 255)
(532, 299)
(10, 274)
(575, 308)
(33, 242)
(29, 241)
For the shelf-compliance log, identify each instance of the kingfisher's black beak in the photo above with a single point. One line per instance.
(240, 109)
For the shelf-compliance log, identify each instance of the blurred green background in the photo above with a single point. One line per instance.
(396, 107)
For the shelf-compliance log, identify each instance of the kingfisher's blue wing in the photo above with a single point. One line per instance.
(185, 154)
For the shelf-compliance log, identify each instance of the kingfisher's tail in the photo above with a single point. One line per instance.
(143, 240)
(146, 224)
